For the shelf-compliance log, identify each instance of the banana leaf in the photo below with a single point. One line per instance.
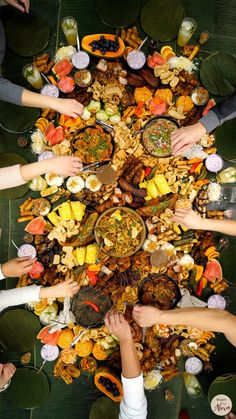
(118, 14)
(27, 34)
(104, 408)
(218, 73)
(10, 159)
(17, 119)
(18, 330)
(224, 385)
(161, 19)
(226, 139)
(29, 388)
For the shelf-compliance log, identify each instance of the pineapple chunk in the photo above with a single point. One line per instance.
(161, 184)
(184, 228)
(152, 189)
(176, 228)
(80, 253)
(54, 218)
(143, 184)
(65, 211)
(91, 253)
(78, 210)
(148, 198)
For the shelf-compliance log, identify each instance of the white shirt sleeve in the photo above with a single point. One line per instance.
(19, 296)
(134, 402)
(1, 273)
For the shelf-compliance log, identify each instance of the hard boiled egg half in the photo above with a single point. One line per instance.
(53, 179)
(93, 184)
(75, 184)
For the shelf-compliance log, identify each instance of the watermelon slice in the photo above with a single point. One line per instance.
(36, 226)
(158, 59)
(50, 338)
(63, 68)
(49, 131)
(66, 84)
(36, 271)
(150, 62)
(213, 270)
(57, 137)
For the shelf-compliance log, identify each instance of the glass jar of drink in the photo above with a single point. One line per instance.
(69, 27)
(192, 385)
(33, 76)
(186, 31)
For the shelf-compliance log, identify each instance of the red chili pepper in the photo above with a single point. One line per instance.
(147, 171)
(200, 287)
(93, 278)
(91, 304)
(139, 109)
(194, 166)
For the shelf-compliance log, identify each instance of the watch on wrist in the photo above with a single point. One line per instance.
(6, 386)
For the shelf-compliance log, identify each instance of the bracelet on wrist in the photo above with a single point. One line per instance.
(5, 387)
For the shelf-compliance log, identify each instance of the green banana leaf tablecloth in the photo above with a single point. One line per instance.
(74, 401)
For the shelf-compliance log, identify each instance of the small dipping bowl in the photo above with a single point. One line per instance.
(193, 365)
(83, 78)
(136, 59)
(27, 250)
(80, 60)
(214, 163)
(50, 90)
(200, 96)
(216, 301)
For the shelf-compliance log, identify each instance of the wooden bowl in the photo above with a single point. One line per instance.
(142, 236)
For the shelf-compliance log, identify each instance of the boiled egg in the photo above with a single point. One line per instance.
(75, 184)
(93, 184)
(53, 179)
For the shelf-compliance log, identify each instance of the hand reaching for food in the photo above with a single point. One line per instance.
(188, 218)
(64, 165)
(17, 267)
(6, 373)
(70, 107)
(22, 5)
(146, 316)
(66, 288)
(185, 137)
(118, 326)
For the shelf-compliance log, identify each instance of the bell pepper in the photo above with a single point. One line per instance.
(201, 182)
(91, 304)
(199, 272)
(92, 276)
(147, 171)
(196, 168)
(201, 285)
(195, 160)
(140, 109)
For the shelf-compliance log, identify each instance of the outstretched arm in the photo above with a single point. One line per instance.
(18, 175)
(202, 318)
(188, 218)
(134, 403)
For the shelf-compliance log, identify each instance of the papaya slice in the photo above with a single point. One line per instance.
(87, 40)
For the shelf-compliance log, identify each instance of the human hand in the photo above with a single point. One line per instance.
(118, 326)
(64, 289)
(17, 267)
(22, 5)
(64, 165)
(70, 107)
(184, 137)
(6, 372)
(146, 316)
(188, 218)
(231, 415)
